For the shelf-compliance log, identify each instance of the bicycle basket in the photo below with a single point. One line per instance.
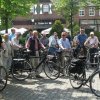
(77, 66)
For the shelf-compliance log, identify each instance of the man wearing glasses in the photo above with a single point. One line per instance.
(53, 44)
(65, 46)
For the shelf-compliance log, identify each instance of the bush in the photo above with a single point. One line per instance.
(97, 34)
(57, 27)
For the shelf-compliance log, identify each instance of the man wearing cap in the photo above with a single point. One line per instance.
(92, 43)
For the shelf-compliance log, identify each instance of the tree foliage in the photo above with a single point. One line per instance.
(12, 8)
(68, 8)
(57, 27)
(65, 7)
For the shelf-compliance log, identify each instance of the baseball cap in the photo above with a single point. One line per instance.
(91, 33)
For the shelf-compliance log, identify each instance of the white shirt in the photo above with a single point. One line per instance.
(15, 43)
(92, 41)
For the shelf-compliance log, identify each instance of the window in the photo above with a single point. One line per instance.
(92, 11)
(81, 12)
(45, 8)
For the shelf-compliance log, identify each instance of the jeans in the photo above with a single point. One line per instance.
(53, 50)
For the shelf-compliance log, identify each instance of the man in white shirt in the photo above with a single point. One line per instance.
(65, 46)
(92, 43)
(15, 43)
(53, 43)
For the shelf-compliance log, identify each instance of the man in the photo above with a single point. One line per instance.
(1, 47)
(65, 46)
(81, 38)
(34, 45)
(92, 43)
(69, 37)
(29, 35)
(15, 43)
(44, 40)
(1, 59)
(53, 43)
(7, 56)
(12, 35)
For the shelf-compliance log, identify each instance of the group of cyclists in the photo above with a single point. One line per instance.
(10, 43)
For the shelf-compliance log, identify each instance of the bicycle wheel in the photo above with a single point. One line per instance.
(76, 80)
(3, 78)
(51, 70)
(95, 83)
(21, 70)
(66, 68)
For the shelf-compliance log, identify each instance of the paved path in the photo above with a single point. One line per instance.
(45, 89)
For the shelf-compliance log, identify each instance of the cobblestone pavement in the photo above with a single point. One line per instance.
(45, 89)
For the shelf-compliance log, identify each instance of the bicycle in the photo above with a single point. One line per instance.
(64, 67)
(25, 67)
(77, 75)
(3, 73)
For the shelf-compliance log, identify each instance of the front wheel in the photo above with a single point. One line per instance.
(21, 70)
(51, 70)
(95, 83)
(76, 80)
(3, 78)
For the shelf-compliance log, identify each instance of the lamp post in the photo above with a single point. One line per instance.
(32, 22)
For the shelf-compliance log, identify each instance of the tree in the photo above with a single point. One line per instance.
(57, 27)
(12, 8)
(68, 8)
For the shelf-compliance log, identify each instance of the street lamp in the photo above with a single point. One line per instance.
(32, 22)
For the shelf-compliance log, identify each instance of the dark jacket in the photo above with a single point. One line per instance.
(32, 45)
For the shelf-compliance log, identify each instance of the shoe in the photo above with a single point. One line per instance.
(38, 76)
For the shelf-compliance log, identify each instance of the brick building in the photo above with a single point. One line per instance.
(89, 18)
(42, 16)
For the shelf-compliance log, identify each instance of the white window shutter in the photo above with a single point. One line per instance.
(50, 11)
(41, 11)
(35, 7)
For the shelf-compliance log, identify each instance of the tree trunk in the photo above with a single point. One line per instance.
(6, 24)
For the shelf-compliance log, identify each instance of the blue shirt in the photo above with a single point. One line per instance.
(82, 38)
(11, 36)
(64, 43)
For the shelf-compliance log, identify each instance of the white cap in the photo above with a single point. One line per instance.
(91, 33)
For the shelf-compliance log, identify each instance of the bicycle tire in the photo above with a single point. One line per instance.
(76, 80)
(21, 72)
(95, 83)
(3, 78)
(51, 70)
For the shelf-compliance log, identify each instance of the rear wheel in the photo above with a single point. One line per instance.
(76, 80)
(21, 72)
(3, 78)
(51, 70)
(95, 84)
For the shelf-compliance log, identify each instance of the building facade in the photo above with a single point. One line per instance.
(41, 17)
(89, 18)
